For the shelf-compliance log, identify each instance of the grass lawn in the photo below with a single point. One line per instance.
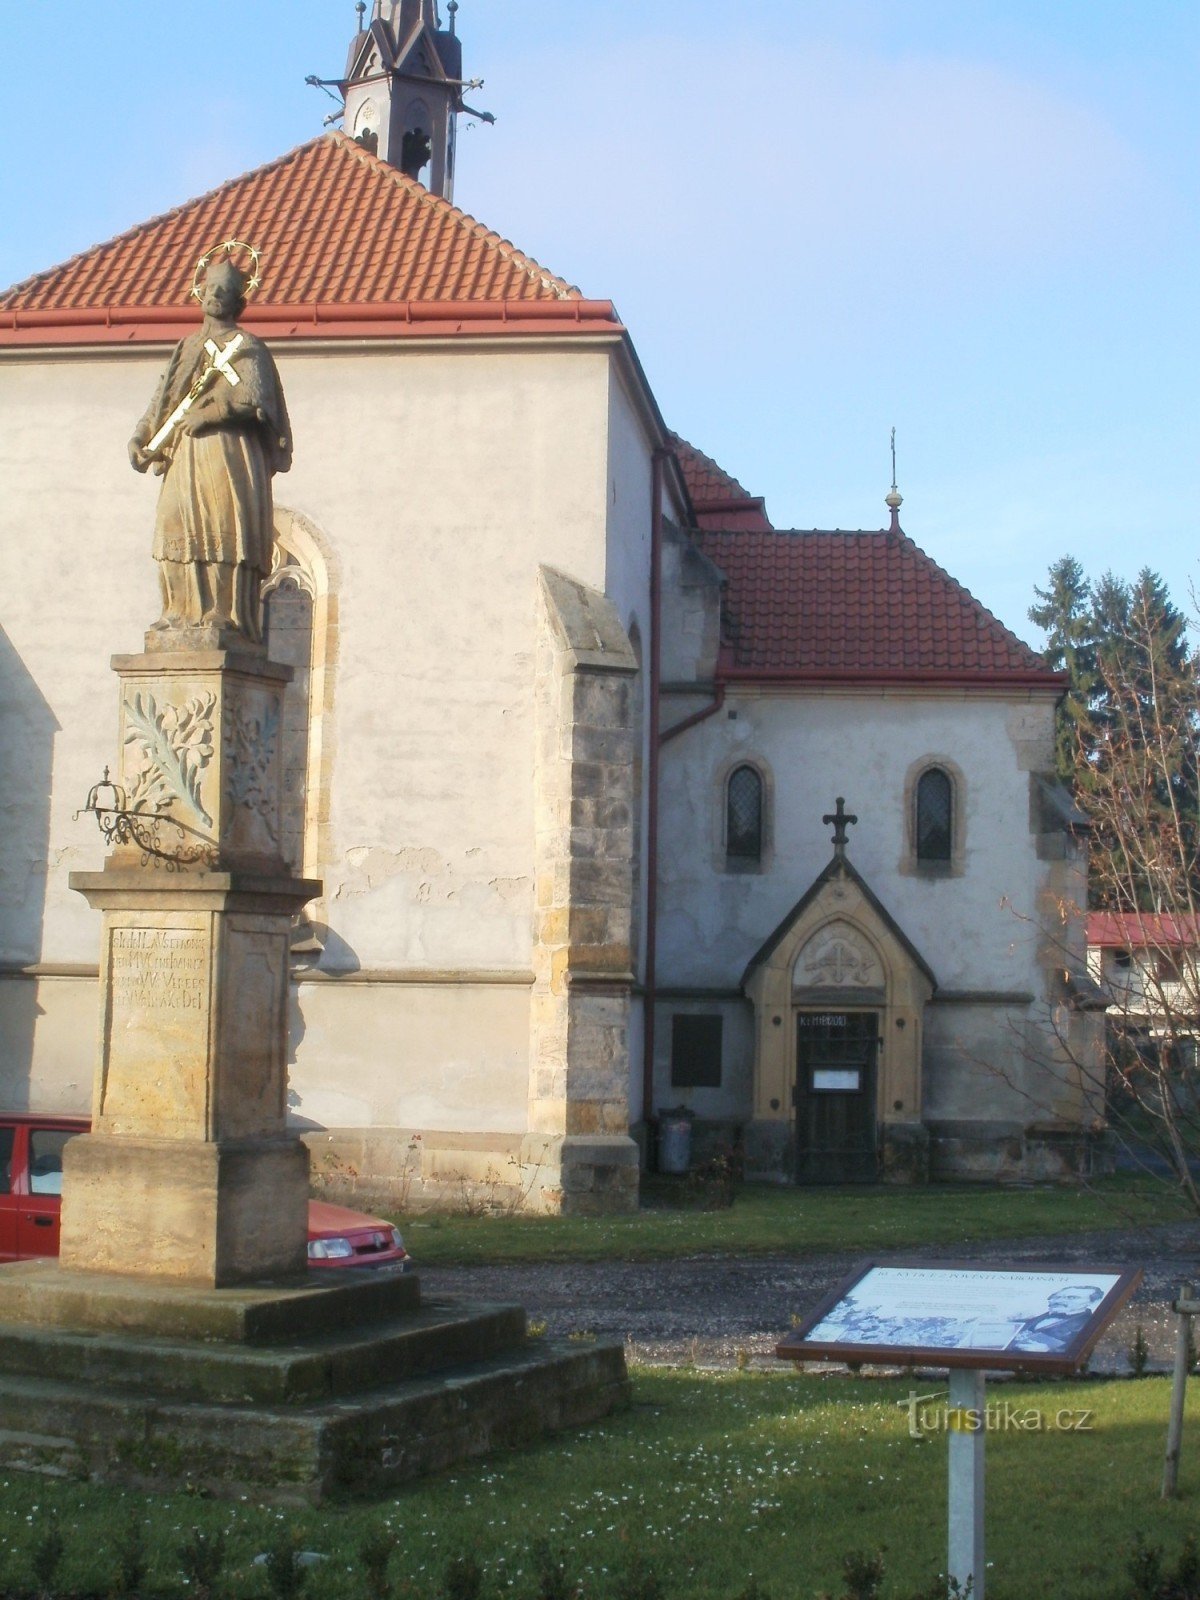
(767, 1219)
(709, 1480)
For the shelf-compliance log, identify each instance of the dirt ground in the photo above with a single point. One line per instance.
(715, 1312)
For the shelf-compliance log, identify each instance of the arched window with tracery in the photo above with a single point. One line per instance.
(300, 630)
(288, 631)
(934, 832)
(744, 816)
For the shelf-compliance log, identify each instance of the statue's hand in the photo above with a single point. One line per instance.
(138, 459)
(202, 415)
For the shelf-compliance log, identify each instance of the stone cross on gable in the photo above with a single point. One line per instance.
(841, 820)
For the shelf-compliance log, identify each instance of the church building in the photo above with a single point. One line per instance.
(621, 799)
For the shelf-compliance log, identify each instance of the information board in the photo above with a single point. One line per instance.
(964, 1314)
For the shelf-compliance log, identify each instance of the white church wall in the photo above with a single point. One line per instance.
(407, 1055)
(731, 1102)
(971, 925)
(813, 747)
(442, 489)
(441, 477)
(629, 497)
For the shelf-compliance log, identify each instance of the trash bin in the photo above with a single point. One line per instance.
(675, 1139)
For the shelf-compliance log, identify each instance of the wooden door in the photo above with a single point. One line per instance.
(834, 1096)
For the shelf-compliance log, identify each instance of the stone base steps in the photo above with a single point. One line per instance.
(326, 1366)
(341, 1384)
(369, 1443)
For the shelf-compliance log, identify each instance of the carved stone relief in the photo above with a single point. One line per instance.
(837, 957)
(171, 746)
(250, 762)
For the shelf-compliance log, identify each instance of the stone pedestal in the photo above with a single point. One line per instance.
(189, 1172)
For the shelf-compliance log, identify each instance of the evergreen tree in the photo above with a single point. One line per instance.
(1128, 732)
(1065, 614)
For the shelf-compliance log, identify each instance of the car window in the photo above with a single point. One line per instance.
(45, 1159)
(7, 1135)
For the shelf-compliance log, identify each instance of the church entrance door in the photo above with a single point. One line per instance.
(834, 1096)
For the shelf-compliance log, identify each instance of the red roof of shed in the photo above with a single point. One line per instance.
(859, 607)
(1133, 930)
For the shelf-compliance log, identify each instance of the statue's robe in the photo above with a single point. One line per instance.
(215, 504)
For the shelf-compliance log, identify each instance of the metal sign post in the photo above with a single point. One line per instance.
(1186, 1307)
(968, 1431)
(969, 1318)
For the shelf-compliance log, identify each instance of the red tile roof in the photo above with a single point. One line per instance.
(345, 239)
(718, 500)
(858, 607)
(1133, 930)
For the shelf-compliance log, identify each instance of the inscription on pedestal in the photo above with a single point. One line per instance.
(157, 1046)
(159, 969)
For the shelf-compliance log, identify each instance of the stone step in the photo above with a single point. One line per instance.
(43, 1294)
(371, 1441)
(44, 1453)
(331, 1364)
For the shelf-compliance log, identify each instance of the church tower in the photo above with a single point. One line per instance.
(403, 88)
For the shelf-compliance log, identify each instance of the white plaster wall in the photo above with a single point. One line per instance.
(62, 1014)
(440, 478)
(862, 746)
(77, 585)
(408, 1055)
(733, 1099)
(628, 495)
(629, 492)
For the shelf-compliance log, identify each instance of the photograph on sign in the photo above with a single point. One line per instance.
(1033, 1311)
(963, 1315)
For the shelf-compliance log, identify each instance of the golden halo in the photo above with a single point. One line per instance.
(227, 248)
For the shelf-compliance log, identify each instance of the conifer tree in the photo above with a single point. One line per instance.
(1065, 614)
(1137, 736)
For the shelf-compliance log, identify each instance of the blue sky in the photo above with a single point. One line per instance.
(976, 222)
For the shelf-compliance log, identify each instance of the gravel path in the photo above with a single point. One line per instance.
(716, 1312)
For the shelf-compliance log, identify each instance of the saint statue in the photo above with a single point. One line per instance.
(218, 429)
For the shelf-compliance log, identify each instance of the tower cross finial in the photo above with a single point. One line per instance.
(894, 499)
(841, 819)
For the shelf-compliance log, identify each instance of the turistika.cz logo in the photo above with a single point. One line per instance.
(932, 1413)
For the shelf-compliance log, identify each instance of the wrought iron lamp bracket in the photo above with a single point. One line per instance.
(121, 825)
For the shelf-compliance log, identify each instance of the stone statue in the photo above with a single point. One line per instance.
(214, 529)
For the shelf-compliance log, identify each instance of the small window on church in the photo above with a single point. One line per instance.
(935, 816)
(744, 816)
(696, 1052)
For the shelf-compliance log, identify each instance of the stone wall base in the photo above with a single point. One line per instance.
(990, 1152)
(581, 1175)
(399, 1171)
(987, 1152)
(904, 1152)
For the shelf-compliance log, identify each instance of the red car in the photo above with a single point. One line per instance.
(31, 1182)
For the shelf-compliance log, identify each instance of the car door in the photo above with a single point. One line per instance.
(8, 1200)
(38, 1209)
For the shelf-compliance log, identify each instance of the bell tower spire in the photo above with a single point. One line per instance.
(403, 88)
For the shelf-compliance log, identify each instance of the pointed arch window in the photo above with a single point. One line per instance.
(935, 816)
(744, 816)
(288, 631)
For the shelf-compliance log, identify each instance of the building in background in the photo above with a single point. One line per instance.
(567, 717)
